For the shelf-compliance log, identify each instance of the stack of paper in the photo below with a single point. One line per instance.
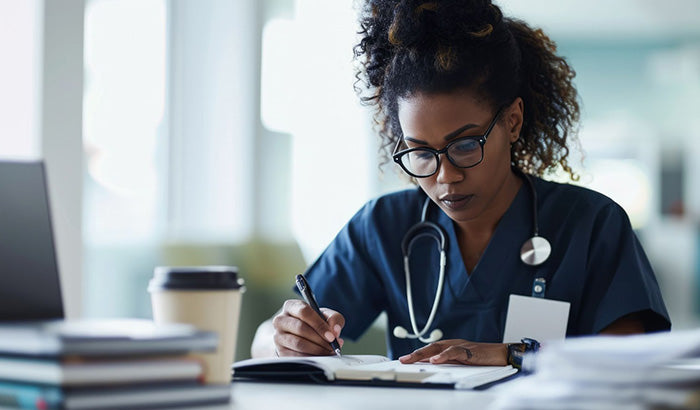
(659, 370)
(103, 364)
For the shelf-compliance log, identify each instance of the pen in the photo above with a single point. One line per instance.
(308, 295)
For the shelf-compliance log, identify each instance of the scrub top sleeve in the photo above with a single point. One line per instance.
(622, 280)
(343, 278)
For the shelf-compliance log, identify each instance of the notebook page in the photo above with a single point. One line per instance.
(334, 363)
(424, 372)
(459, 370)
(328, 364)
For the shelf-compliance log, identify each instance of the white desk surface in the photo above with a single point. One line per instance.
(264, 396)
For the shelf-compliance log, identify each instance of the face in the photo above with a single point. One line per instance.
(464, 194)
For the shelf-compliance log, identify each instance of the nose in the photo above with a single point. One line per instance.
(447, 172)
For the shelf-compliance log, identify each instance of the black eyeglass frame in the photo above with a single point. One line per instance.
(481, 139)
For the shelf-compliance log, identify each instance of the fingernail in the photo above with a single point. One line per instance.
(329, 336)
(337, 329)
(405, 357)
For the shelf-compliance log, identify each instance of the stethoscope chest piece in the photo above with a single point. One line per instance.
(535, 251)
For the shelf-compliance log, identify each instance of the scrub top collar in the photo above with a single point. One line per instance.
(502, 253)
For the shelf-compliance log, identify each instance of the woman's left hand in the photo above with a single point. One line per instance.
(458, 351)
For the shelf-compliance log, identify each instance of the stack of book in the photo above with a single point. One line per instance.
(118, 364)
(660, 370)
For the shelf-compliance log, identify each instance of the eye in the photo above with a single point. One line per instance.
(465, 146)
(421, 155)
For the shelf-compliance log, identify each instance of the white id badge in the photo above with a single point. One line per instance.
(537, 318)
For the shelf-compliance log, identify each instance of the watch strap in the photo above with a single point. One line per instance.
(516, 351)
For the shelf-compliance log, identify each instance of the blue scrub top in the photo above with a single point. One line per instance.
(597, 264)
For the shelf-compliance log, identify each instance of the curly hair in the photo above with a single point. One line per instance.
(441, 46)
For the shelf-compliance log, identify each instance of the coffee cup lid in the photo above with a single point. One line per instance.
(195, 278)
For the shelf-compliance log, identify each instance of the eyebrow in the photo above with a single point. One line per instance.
(447, 137)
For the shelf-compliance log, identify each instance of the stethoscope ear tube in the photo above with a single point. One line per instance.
(399, 331)
(423, 229)
(427, 227)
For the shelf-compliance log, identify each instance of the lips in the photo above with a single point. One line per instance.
(456, 201)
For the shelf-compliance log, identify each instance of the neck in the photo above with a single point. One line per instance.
(484, 226)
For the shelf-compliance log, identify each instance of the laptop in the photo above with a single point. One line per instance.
(29, 282)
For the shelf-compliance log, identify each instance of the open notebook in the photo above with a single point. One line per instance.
(370, 370)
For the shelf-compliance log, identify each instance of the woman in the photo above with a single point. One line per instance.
(475, 107)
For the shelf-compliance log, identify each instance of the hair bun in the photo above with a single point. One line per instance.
(419, 24)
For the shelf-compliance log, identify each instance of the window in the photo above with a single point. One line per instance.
(124, 109)
(307, 78)
(19, 78)
(124, 143)
(167, 131)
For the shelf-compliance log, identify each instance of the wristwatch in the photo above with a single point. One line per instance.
(516, 351)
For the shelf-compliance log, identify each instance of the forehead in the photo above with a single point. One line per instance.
(438, 114)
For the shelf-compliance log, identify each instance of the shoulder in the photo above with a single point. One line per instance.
(574, 198)
(394, 205)
(579, 212)
(389, 212)
(566, 191)
(378, 222)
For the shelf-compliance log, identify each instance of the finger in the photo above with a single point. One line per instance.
(456, 355)
(305, 313)
(424, 353)
(335, 320)
(285, 324)
(288, 344)
(480, 354)
(284, 352)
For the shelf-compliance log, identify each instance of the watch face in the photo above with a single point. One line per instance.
(515, 354)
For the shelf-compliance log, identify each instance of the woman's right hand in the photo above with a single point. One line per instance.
(300, 331)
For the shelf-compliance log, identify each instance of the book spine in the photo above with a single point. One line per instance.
(26, 396)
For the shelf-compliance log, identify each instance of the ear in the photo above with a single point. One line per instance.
(514, 119)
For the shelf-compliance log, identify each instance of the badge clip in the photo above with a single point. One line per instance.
(539, 286)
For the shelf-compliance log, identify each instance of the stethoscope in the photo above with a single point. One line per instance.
(534, 251)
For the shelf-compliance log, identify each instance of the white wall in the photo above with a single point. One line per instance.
(213, 116)
(61, 138)
(41, 77)
(20, 32)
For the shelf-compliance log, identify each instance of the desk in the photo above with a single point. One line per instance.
(263, 396)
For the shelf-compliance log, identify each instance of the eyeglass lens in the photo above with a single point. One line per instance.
(462, 153)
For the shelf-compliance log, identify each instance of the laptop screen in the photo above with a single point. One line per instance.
(29, 282)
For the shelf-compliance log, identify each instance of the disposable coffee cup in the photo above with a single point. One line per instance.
(208, 297)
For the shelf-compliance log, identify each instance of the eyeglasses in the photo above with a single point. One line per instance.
(465, 152)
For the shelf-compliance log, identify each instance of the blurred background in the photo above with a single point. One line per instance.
(181, 132)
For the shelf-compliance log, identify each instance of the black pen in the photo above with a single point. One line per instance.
(308, 295)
